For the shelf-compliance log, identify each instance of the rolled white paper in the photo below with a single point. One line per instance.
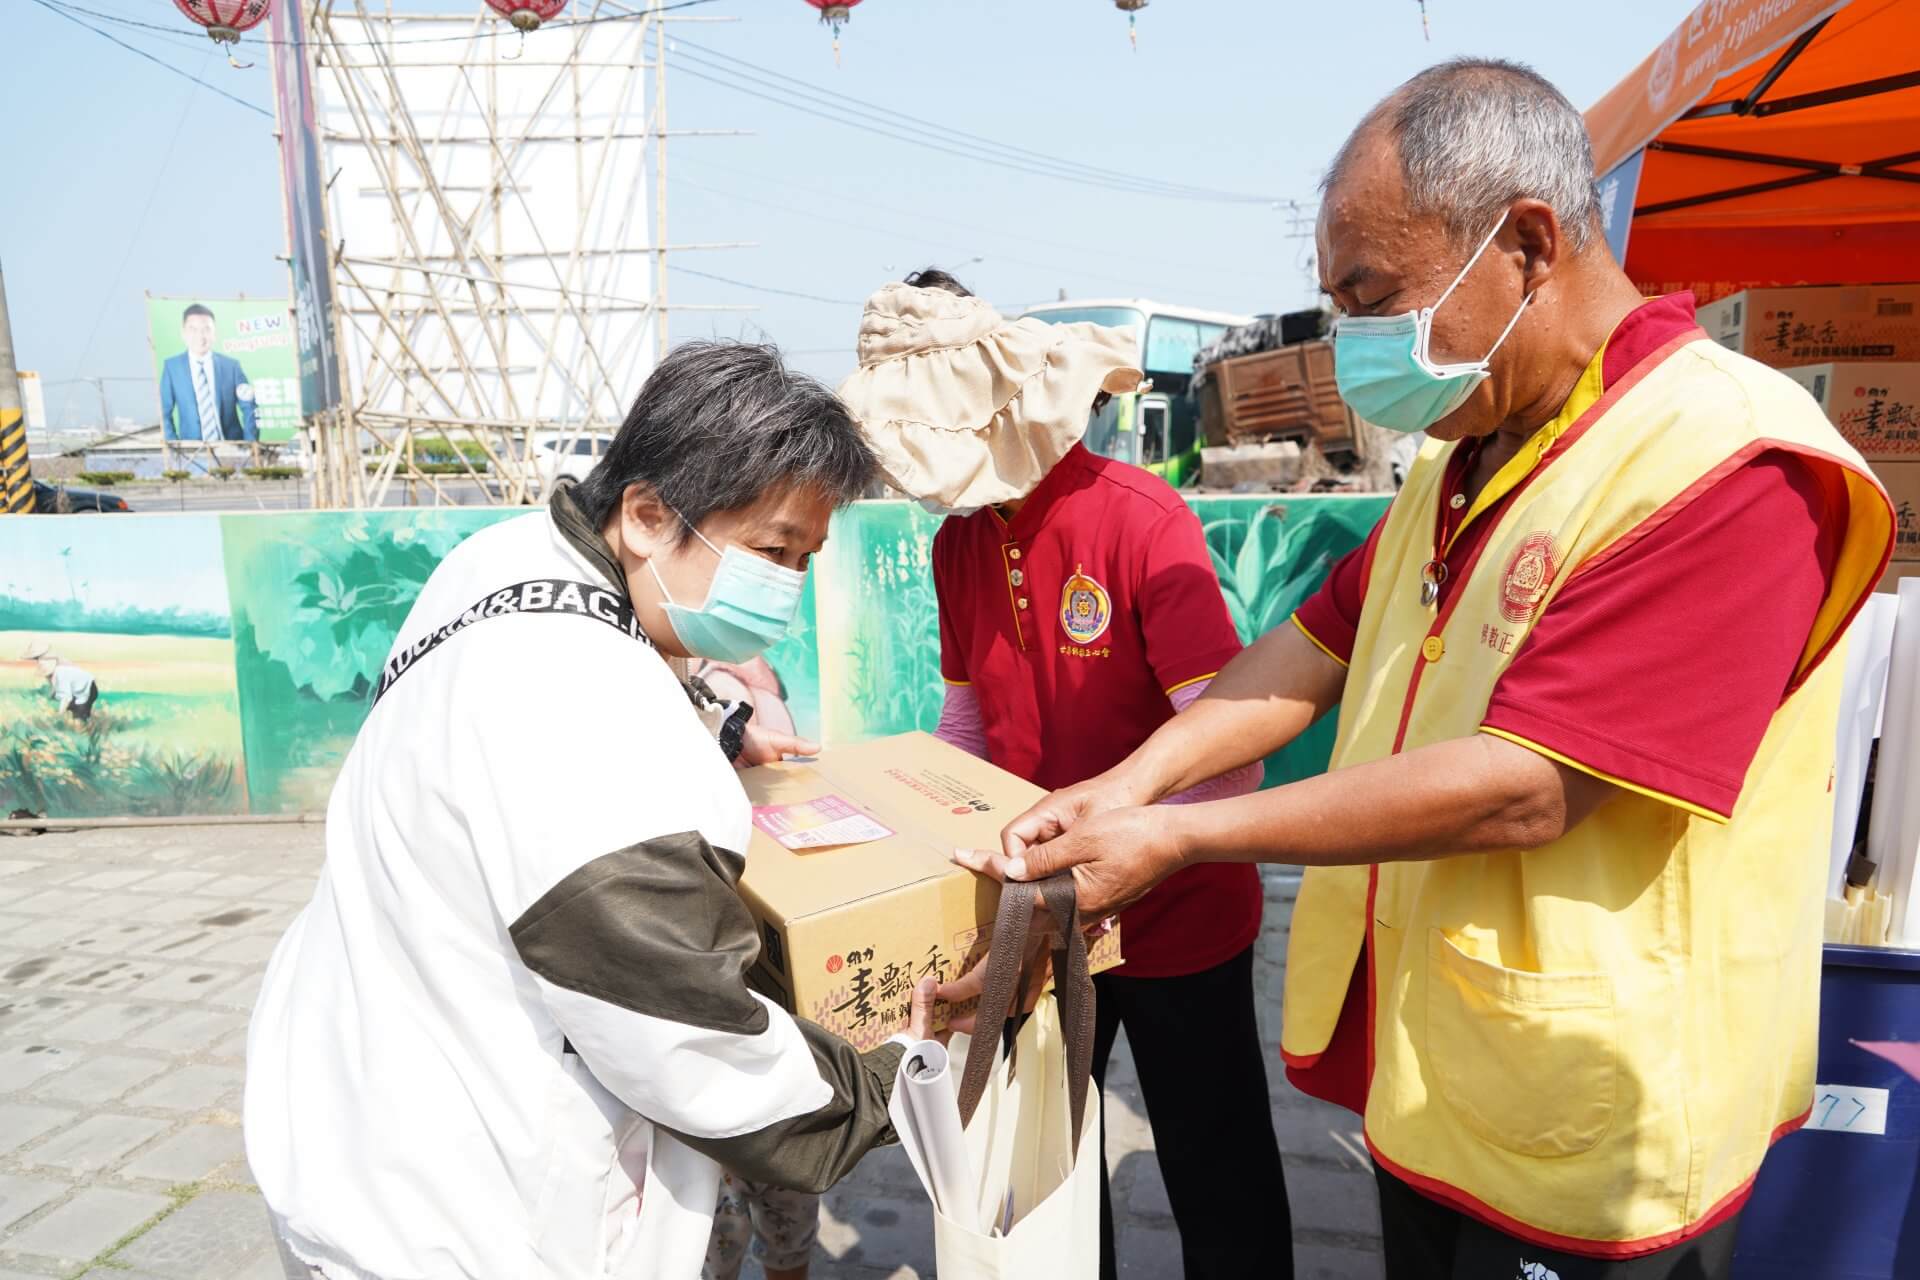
(1893, 839)
(926, 1115)
(1862, 694)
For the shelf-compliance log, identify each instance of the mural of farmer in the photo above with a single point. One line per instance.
(74, 689)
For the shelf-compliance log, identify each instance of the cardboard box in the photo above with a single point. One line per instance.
(1902, 480)
(1786, 327)
(846, 930)
(1875, 406)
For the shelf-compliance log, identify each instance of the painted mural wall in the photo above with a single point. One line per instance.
(231, 658)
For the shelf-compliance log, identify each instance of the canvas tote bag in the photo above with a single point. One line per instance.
(1031, 1123)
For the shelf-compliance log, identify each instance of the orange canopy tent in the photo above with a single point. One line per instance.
(1768, 142)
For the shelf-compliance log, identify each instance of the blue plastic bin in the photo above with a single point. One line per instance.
(1844, 1206)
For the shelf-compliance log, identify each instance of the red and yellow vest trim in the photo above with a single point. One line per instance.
(1590, 1044)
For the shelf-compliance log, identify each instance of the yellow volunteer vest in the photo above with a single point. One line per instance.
(1590, 1044)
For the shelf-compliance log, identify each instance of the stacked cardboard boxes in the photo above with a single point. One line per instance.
(1789, 327)
(1856, 349)
(1877, 409)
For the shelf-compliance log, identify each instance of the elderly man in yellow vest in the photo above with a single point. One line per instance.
(1559, 936)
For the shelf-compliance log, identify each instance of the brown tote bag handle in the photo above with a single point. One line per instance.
(1006, 971)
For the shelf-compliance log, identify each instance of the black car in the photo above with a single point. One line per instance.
(50, 500)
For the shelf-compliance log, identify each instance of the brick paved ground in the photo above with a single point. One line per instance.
(129, 959)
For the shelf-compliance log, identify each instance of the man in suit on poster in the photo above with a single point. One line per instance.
(204, 395)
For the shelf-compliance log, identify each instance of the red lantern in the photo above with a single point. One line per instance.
(834, 13)
(225, 19)
(526, 15)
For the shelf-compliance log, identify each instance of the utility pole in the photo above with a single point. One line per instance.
(16, 479)
(106, 414)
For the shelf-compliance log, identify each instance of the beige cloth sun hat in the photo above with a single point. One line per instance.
(966, 408)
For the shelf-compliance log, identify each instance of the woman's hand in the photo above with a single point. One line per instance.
(768, 746)
(1056, 815)
(965, 990)
(920, 1015)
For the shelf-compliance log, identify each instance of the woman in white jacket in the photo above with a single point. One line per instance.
(511, 1035)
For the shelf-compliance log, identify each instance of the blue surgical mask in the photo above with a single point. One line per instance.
(1384, 364)
(750, 604)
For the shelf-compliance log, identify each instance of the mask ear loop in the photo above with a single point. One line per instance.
(1425, 336)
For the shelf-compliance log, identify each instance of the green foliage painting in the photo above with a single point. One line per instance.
(880, 642)
(318, 599)
(236, 655)
(1270, 556)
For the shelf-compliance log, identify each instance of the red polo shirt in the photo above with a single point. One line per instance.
(1073, 621)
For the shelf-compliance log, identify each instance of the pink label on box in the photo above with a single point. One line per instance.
(818, 824)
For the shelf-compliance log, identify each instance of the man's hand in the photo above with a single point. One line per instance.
(1054, 816)
(765, 746)
(1116, 855)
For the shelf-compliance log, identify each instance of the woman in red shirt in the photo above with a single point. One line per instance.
(1079, 611)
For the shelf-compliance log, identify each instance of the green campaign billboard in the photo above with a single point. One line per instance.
(228, 369)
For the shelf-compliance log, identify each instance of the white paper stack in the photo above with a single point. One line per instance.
(1893, 839)
(1862, 695)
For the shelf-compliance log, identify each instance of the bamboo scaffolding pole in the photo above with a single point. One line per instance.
(540, 240)
(585, 193)
(357, 108)
(354, 139)
(411, 148)
(421, 371)
(659, 129)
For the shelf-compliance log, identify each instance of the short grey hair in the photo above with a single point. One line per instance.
(720, 425)
(1476, 134)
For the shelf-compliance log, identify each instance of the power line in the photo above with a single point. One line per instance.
(973, 229)
(108, 35)
(909, 138)
(153, 191)
(962, 150)
(889, 115)
(1055, 268)
(762, 288)
(468, 35)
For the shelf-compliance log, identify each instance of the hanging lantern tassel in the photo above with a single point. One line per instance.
(1425, 30)
(230, 40)
(1130, 8)
(834, 13)
(1133, 36)
(224, 20)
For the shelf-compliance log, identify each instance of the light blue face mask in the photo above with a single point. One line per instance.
(1384, 364)
(750, 604)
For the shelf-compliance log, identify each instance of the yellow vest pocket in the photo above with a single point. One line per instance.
(1527, 1060)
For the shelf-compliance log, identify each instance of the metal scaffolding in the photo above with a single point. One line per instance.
(496, 235)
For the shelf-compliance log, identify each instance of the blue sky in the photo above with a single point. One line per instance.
(124, 178)
(175, 564)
